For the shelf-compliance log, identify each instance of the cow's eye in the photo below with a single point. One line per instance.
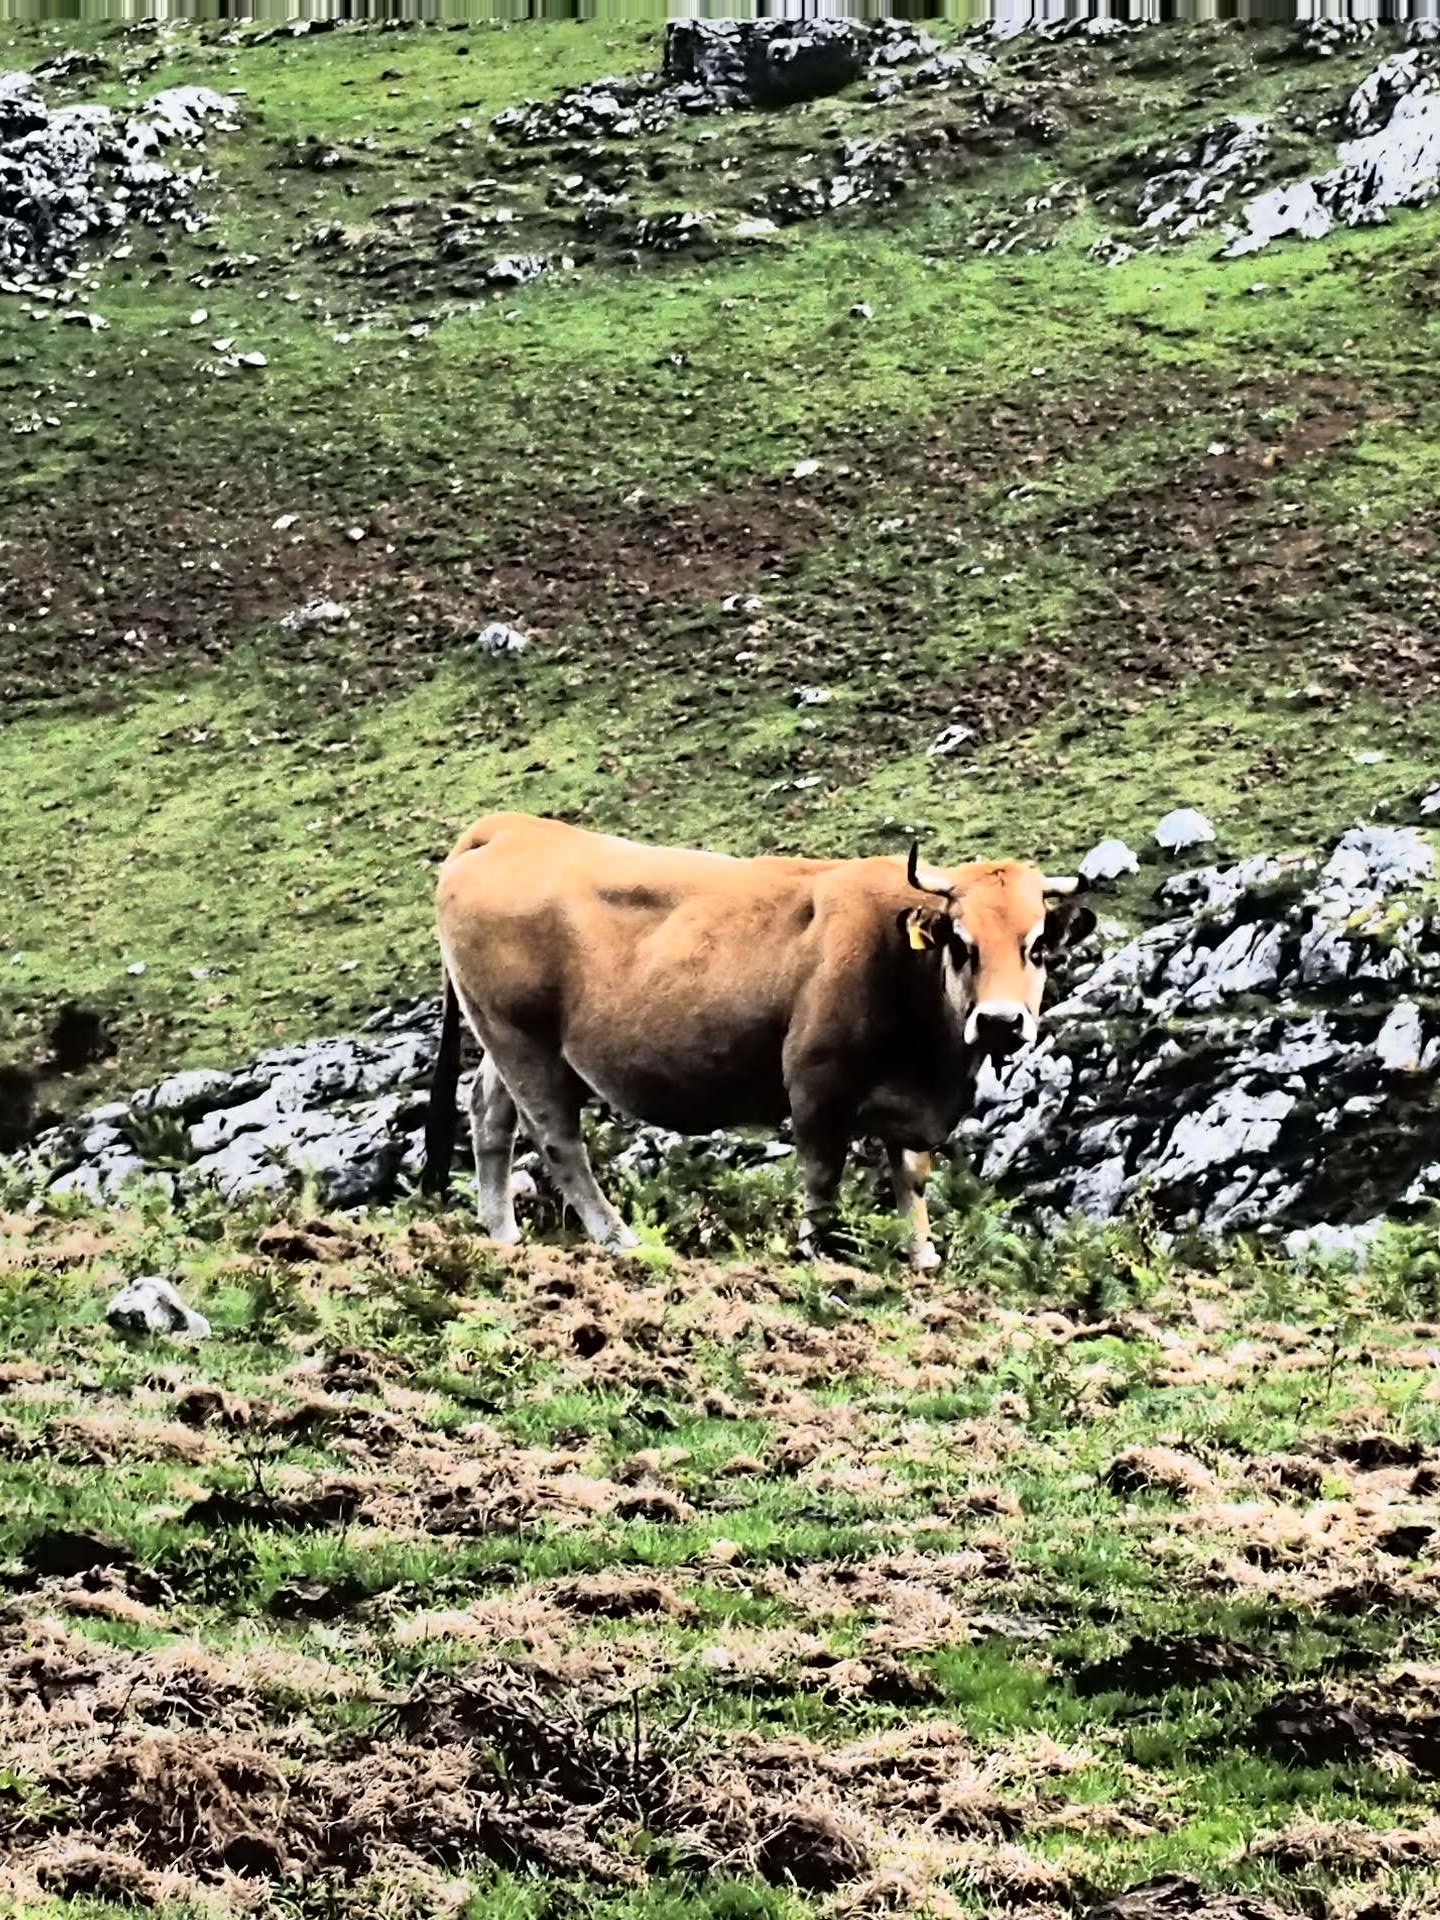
(1037, 955)
(963, 951)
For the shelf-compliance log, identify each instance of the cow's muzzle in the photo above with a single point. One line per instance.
(999, 1028)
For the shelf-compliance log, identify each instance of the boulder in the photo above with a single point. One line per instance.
(70, 173)
(1182, 829)
(1108, 861)
(764, 63)
(151, 1305)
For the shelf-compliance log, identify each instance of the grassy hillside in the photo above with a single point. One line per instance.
(1019, 519)
(445, 1580)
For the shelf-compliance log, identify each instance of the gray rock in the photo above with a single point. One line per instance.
(239, 1170)
(1379, 860)
(1322, 38)
(1108, 860)
(69, 174)
(316, 613)
(105, 1177)
(951, 740)
(195, 1091)
(1182, 829)
(1195, 182)
(763, 62)
(497, 638)
(1400, 1042)
(1328, 1244)
(1234, 1126)
(1212, 889)
(515, 269)
(1247, 960)
(151, 1305)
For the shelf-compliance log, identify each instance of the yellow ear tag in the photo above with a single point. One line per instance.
(920, 935)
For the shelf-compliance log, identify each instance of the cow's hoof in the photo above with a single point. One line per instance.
(925, 1259)
(506, 1237)
(620, 1240)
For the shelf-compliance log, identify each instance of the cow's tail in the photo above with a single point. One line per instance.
(441, 1121)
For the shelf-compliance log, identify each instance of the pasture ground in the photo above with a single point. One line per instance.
(534, 1584)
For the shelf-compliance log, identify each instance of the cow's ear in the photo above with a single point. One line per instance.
(1067, 924)
(921, 928)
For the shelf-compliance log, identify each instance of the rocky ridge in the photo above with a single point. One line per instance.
(1266, 1057)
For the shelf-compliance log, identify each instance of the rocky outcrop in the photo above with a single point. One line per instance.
(70, 173)
(1393, 161)
(712, 66)
(1218, 178)
(1266, 1056)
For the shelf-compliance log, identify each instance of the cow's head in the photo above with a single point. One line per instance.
(994, 926)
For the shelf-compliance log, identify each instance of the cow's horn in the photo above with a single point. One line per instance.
(925, 879)
(1061, 885)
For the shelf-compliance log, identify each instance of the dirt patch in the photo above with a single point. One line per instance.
(74, 1872)
(101, 1439)
(1149, 1667)
(319, 1241)
(1159, 1470)
(1343, 1845)
(1315, 1729)
(1175, 1896)
(1370, 1452)
(811, 1850)
(62, 1551)
(621, 1596)
(223, 1509)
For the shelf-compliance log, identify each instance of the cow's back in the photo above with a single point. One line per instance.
(667, 977)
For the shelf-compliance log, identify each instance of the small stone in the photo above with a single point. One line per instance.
(803, 469)
(199, 317)
(1108, 860)
(499, 638)
(253, 359)
(952, 739)
(1182, 829)
(317, 613)
(862, 311)
(151, 1305)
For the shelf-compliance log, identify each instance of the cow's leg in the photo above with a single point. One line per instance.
(822, 1140)
(549, 1097)
(909, 1172)
(493, 1121)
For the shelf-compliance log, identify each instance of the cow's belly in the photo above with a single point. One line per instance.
(736, 1085)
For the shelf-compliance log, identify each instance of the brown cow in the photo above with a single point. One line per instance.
(696, 991)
